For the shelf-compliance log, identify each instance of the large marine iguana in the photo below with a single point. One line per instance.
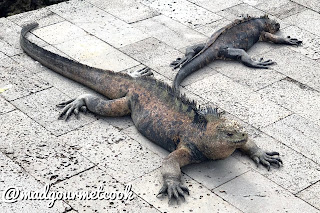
(231, 42)
(166, 118)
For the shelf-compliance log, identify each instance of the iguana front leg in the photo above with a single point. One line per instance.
(171, 174)
(260, 156)
(142, 72)
(266, 36)
(116, 107)
(190, 52)
(242, 55)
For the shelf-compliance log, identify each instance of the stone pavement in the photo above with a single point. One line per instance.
(279, 107)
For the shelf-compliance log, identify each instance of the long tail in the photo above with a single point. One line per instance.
(94, 78)
(190, 67)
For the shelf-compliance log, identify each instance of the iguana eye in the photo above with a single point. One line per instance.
(230, 134)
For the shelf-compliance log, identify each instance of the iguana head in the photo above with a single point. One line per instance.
(271, 26)
(229, 133)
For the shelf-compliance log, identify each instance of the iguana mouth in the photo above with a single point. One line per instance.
(240, 141)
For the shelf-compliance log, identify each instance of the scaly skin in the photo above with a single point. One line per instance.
(169, 120)
(231, 43)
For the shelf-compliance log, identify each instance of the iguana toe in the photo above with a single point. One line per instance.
(146, 71)
(175, 191)
(266, 159)
(293, 41)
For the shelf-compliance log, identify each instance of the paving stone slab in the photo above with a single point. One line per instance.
(296, 66)
(91, 181)
(216, 6)
(297, 171)
(37, 151)
(8, 49)
(116, 153)
(284, 10)
(209, 29)
(298, 133)
(99, 23)
(24, 82)
(198, 75)
(212, 174)
(42, 16)
(183, 11)
(296, 97)
(169, 31)
(13, 176)
(5, 106)
(239, 100)
(311, 195)
(312, 4)
(93, 52)
(311, 43)
(67, 32)
(10, 33)
(42, 108)
(127, 10)
(250, 77)
(241, 10)
(306, 20)
(251, 192)
(154, 54)
(199, 200)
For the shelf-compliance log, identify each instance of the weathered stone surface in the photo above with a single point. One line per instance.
(298, 133)
(37, 151)
(216, 6)
(250, 77)
(93, 52)
(90, 181)
(212, 174)
(99, 23)
(67, 32)
(311, 43)
(23, 81)
(199, 200)
(42, 16)
(8, 49)
(42, 108)
(296, 66)
(116, 153)
(251, 192)
(296, 97)
(297, 171)
(154, 54)
(5, 106)
(128, 10)
(307, 20)
(312, 4)
(311, 195)
(284, 10)
(209, 29)
(183, 11)
(170, 32)
(239, 100)
(13, 176)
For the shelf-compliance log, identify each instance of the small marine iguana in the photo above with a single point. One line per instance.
(231, 42)
(169, 120)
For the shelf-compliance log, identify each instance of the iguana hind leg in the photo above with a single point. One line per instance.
(190, 52)
(260, 156)
(245, 58)
(113, 108)
(266, 36)
(142, 72)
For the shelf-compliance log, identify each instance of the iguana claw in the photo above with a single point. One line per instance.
(73, 106)
(266, 158)
(142, 72)
(178, 62)
(175, 190)
(292, 41)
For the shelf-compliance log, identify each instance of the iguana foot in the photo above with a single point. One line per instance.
(178, 62)
(142, 72)
(266, 158)
(264, 64)
(292, 41)
(175, 190)
(73, 106)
